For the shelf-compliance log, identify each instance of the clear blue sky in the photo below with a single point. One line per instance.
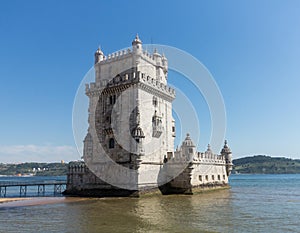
(252, 49)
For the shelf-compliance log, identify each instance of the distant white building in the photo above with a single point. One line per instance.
(129, 147)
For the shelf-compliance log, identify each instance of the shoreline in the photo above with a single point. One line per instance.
(10, 199)
(33, 201)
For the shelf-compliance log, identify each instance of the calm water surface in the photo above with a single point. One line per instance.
(255, 203)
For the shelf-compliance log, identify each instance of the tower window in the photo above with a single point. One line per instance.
(112, 99)
(108, 119)
(173, 129)
(157, 128)
(154, 101)
(111, 143)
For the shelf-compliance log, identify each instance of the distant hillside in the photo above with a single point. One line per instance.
(38, 169)
(258, 164)
(261, 164)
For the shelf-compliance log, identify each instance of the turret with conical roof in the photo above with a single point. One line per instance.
(226, 152)
(99, 55)
(137, 45)
(157, 57)
(208, 148)
(188, 147)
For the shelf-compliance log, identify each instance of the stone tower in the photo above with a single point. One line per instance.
(129, 146)
(130, 113)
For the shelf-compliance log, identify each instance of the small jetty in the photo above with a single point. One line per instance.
(37, 188)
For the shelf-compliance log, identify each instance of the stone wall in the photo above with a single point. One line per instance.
(82, 182)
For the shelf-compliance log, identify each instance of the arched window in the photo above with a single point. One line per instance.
(112, 99)
(111, 143)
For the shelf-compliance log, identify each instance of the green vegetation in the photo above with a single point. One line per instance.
(261, 164)
(37, 169)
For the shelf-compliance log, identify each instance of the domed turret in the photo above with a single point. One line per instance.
(99, 55)
(208, 148)
(136, 40)
(225, 149)
(188, 141)
(137, 44)
(157, 57)
(188, 147)
(226, 152)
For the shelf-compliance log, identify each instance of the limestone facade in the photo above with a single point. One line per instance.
(131, 125)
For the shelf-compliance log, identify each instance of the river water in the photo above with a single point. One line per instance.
(255, 203)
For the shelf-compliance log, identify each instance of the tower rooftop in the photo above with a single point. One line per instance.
(136, 40)
(188, 141)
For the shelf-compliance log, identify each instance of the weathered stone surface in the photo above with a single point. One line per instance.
(130, 139)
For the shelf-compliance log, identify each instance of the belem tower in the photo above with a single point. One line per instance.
(129, 146)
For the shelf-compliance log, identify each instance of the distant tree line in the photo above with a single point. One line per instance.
(262, 164)
(258, 164)
(38, 169)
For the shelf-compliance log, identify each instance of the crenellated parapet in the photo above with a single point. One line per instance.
(186, 153)
(121, 54)
(202, 157)
(146, 79)
(123, 81)
(75, 168)
(153, 58)
(199, 157)
(135, 58)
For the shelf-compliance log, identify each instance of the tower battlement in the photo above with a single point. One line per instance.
(126, 79)
(125, 53)
(137, 50)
